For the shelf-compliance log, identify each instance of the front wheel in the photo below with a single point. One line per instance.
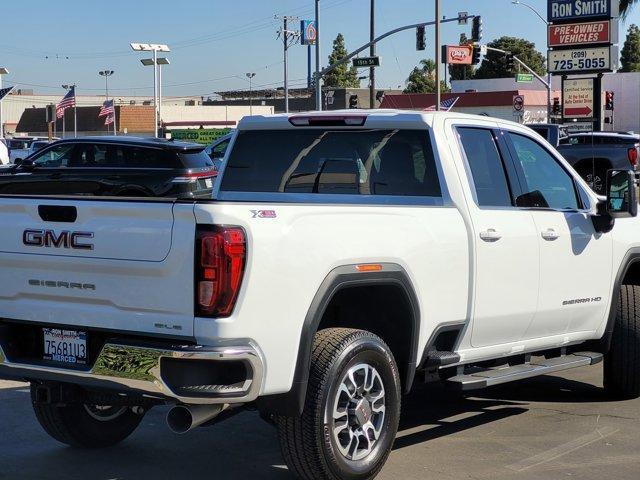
(622, 361)
(86, 426)
(351, 411)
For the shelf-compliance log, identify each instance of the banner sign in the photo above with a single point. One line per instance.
(578, 98)
(583, 60)
(203, 136)
(308, 32)
(603, 31)
(577, 10)
(459, 55)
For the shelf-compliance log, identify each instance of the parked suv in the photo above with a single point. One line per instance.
(114, 166)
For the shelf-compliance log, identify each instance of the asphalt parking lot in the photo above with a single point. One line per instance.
(545, 428)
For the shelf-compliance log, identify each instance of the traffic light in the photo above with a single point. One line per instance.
(511, 62)
(477, 53)
(421, 42)
(557, 109)
(476, 29)
(608, 101)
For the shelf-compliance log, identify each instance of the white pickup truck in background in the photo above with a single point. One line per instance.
(343, 257)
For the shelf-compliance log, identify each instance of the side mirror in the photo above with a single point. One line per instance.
(26, 164)
(622, 196)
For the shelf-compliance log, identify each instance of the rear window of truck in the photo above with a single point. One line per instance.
(319, 161)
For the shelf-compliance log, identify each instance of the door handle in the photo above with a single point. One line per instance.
(550, 234)
(490, 235)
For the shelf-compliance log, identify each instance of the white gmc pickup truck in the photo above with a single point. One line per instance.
(344, 257)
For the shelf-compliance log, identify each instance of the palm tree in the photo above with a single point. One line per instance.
(626, 6)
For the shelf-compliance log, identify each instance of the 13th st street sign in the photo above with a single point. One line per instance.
(577, 10)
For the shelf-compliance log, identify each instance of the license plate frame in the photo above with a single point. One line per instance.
(64, 346)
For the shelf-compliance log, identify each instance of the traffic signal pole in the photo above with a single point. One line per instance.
(438, 53)
(318, 76)
(546, 83)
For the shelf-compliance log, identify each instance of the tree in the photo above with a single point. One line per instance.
(494, 64)
(342, 76)
(422, 79)
(630, 55)
(626, 6)
(461, 72)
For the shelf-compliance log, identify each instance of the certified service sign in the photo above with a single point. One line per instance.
(576, 10)
(583, 60)
(578, 98)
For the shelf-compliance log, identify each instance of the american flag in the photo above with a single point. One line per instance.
(107, 109)
(110, 119)
(4, 92)
(445, 105)
(69, 100)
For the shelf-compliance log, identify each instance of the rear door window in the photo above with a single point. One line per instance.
(345, 162)
(487, 168)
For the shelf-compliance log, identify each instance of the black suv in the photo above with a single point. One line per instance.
(113, 166)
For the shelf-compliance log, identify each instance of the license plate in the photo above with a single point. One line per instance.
(65, 346)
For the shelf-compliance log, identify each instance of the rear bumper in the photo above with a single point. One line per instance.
(176, 373)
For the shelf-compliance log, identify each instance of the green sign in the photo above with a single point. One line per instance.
(204, 136)
(524, 78)
(366, 62)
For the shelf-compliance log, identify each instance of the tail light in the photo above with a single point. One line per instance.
(195, 175)
(633, 156)
(220, 259)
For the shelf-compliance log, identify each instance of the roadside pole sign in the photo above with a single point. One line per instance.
(559, 11)
(579, 98)
(308, 32)
(524, 78)
(518, 103)
(457, 54)
(360, 62)
(583, 60)
(589, 33)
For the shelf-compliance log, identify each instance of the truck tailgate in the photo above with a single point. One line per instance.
(119, 265)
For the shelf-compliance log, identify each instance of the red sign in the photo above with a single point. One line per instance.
(459, 55)
(580, 34)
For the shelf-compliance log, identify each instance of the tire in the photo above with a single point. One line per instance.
(622, 361)
(308, 443)
(83, 426)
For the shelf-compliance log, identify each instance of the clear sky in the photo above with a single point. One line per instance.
(214, 42)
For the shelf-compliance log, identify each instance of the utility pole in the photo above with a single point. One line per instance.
(438, 52)
(289, 37)
(250, 76)
(372, 52)
(318, 77)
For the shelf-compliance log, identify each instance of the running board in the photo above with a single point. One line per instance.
(482, 378)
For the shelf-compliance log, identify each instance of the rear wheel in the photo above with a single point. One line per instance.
(622, 362)
(351, 411)
(86, 426)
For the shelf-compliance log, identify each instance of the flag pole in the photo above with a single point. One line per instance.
(75, 113)
(63, 128)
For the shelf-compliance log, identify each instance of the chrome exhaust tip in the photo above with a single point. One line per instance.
(183, 418)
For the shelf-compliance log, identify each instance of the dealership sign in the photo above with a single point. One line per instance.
(578, 97)
(459, 55)
(581, 10)
(583, 60)
(603, 31)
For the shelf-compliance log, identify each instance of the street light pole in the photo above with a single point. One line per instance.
(317, 75)
(155, 48)
(549, 76)
(250, 76)
(438, 52)
(372, 52)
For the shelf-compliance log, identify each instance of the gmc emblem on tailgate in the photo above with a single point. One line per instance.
(49, 238)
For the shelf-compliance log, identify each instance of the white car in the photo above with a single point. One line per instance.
(344, 257)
